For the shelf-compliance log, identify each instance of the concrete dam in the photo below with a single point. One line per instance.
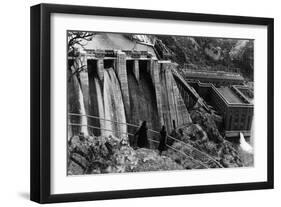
(116, 83)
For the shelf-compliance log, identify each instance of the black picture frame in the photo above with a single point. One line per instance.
(41, 99)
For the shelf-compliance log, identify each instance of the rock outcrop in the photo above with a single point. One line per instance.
(206, 121)
(94, 155)
(204, 136)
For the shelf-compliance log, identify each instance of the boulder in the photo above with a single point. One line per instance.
(206, 121)
(92, 155)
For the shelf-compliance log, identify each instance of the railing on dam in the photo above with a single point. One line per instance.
(203, 159)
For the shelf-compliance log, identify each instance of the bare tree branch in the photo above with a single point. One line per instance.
(77, 38)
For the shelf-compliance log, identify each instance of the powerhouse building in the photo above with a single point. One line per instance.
(234, 103)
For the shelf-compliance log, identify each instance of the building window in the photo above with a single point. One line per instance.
(249, 123)
(243, 121)
(230, 123)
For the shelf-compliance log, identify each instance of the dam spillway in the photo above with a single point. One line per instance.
(143, 104)
(126, 86)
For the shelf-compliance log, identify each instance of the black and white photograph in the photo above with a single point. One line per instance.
(149, 102)
(140, 103)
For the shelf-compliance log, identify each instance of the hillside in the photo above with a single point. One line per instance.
(211, 53)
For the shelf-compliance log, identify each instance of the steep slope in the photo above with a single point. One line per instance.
(211, 53)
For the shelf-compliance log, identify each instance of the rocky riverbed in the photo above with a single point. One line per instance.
(200, 141)
(94, 155)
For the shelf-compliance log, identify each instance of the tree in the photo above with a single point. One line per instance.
(75, 40)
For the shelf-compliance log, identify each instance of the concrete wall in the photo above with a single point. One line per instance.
(94, 109)
(149, 91)
(173, 107)
(154, 70)
(121, 71)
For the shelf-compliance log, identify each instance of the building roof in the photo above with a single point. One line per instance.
(247, 92)
(112, 41)
(229, 95)
(213, 75)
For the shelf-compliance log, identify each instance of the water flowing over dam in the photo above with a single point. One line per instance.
(84, 122)
(131, 91)
(133, 98)
(122, 86)
(106, 103)
(113, 105)
(76, 105)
